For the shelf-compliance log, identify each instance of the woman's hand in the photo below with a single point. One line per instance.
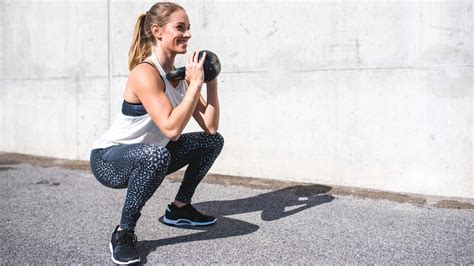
(194, 69)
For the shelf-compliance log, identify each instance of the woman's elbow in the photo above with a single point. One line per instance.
(175, 138)
(172, 135)
(211, 130)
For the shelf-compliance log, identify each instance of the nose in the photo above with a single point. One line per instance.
(187, 34)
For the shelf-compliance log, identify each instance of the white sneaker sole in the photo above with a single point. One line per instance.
(120, 262)
(183, 222)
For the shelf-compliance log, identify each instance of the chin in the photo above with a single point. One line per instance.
(180, 49)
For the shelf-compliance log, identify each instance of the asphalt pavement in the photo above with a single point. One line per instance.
(51, 214)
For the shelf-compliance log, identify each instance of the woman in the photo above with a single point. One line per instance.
(145, 143)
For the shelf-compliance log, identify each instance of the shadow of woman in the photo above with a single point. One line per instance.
(273, 206)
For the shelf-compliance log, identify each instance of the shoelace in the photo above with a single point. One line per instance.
(128, 238)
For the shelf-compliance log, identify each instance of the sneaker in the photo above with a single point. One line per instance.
(186, 215)
(122, 247)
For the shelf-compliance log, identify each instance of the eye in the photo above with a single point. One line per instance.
(181, 28)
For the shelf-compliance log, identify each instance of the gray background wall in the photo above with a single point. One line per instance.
(375, 94)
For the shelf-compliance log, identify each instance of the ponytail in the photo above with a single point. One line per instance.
(143, 40)
(141, 44)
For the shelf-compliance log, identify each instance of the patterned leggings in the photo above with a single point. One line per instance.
(142, 167)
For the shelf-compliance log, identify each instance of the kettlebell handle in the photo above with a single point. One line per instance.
(212, 68)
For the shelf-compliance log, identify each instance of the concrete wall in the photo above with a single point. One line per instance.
(376, 94)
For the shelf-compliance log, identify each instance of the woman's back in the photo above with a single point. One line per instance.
(134, 124)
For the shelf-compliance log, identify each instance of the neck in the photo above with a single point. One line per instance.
(166, 59)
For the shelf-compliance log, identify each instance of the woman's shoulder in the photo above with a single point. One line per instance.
(145, 73)
(144, 68)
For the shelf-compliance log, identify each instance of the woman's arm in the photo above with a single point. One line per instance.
(207, 112)
(148, 86)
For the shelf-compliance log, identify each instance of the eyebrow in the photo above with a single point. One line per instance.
(182, 23)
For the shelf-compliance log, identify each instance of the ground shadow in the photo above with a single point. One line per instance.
(273, 205)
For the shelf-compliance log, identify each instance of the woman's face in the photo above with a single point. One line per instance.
(175, 34)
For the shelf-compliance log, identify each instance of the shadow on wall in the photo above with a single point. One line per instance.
(271, 204)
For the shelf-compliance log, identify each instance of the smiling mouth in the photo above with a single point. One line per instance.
(183, 42)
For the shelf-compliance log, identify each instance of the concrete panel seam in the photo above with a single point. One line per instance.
(108, 64)
(422, 68)
(51, 78)
(356, 69)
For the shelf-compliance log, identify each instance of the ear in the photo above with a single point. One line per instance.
(157, 31)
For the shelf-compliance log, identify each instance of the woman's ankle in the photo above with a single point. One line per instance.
(178, 203)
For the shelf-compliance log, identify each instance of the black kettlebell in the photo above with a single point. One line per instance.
(212, 68)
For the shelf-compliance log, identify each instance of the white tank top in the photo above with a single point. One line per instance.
(141, 129)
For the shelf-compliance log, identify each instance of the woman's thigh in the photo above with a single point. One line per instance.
(192, 147)
(113, 166)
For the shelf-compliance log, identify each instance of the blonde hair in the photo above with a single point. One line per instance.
(143, 41)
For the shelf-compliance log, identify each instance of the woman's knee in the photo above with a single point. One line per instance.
(217, 140)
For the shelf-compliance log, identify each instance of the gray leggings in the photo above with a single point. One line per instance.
(142, 167)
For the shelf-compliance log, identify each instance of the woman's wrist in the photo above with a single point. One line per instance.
(197, 84)
(194, 89)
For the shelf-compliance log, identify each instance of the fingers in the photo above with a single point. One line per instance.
(194, 57)
(194, 67)
(201, 62)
